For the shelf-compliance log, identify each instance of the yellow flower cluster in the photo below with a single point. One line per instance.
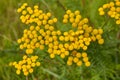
(66, 44)
(112, 9)
(38, 34)
(58, 43)
(76, 58)
(26, 65)
(78, 38)
(83, 33)
(29, 15)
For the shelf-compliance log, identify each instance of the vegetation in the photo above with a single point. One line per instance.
(104, 58)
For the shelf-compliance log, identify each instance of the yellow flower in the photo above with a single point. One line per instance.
(85, 59)
(105, 6)
(70, 47)
(23, 7)
(85, 20)
(78, 54)
(25, 57)
(66, 38)
(98, 37)
(44, 22)
(58, 52)
(41, 47)
(37, 28)
(48, 14)
(101, 41)
(84, 54)
(36, 6)
(79, 63)
(40, 16)
(71, 20)
(26, 73)
(66, 53)
(71, 38)
(50, 50)
(54, 20)
(51, 28)
(87, 64)
(58, 32)
(42, 41)
(19, 10)
(71, 15)
(100, 9)
(65, 16)
(68, 11)
(46, 26)
(69, 63)
(25, 4)
(93, 38)
(10, 64)
(74, 25)
(30, 70)
(24, 12)
(60, 46)
(19, 41)
(24, 69)
(66, 45)
(87, 43)
(21, 46)
(30, 11)
(54, 33)
(65, 21)
(101, 13)
(111, 4)
(77, 12)
(61, 38)
(62, 55)
(28, 66)
(52, 55)
(46, 17)
(50, 22)
(84, 47)
(33, 64)
(77, 20)
(75, 59)
(100, 31)
(18, 72)
(70, 58)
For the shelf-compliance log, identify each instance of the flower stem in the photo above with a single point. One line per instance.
(26, 77)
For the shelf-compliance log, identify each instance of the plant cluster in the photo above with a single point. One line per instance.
(112, 9)
(42, 34)
(26, 65)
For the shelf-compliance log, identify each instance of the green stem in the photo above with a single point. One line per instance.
(105, 23)
(26, 77)
(118, 45)
(50, 72)
(81, 73)
(43, 1)
(61, 5)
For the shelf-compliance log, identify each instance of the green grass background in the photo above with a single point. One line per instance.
(105, 59)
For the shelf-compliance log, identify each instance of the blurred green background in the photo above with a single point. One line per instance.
(105, 64)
